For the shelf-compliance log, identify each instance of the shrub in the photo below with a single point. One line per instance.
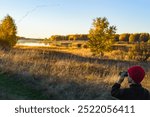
(85, 46)
(140, 52)
(4, 45)
(118, 55)
(79, 45)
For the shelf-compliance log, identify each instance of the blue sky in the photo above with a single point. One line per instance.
(43, 18)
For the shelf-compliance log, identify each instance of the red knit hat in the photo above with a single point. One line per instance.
(137, 73)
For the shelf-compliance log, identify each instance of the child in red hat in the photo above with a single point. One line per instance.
(135, 91)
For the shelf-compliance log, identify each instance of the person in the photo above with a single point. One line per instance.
(135, 91)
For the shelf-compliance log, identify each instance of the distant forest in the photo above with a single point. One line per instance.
(125, 37)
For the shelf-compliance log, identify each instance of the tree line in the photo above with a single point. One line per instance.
(73, 37)
(133, 37)
(125, 37)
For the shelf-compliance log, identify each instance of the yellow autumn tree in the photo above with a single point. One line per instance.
(101, 36)
(8, 31)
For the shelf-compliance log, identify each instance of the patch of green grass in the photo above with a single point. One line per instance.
(11, 88)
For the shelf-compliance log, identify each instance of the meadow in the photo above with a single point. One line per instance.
(61, 73)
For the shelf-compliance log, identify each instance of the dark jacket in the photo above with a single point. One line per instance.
(134, 92)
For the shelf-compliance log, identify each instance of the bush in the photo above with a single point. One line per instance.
(4, 45)
(85, 46)
(79, 45)
(140, 52)
(118, 54)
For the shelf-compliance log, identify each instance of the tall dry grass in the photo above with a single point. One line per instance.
(66, 74)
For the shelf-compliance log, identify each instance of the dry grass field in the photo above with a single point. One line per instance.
(60, 73)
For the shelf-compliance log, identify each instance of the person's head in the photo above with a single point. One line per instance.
(135, 75)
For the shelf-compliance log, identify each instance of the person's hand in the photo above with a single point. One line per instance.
(121, 77)
(120, 80)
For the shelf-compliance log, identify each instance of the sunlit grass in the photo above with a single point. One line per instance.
(67, 73)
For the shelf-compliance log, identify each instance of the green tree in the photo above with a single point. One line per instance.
(101, 36)
(8, 31)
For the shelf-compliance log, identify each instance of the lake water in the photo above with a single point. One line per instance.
(31, 43)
